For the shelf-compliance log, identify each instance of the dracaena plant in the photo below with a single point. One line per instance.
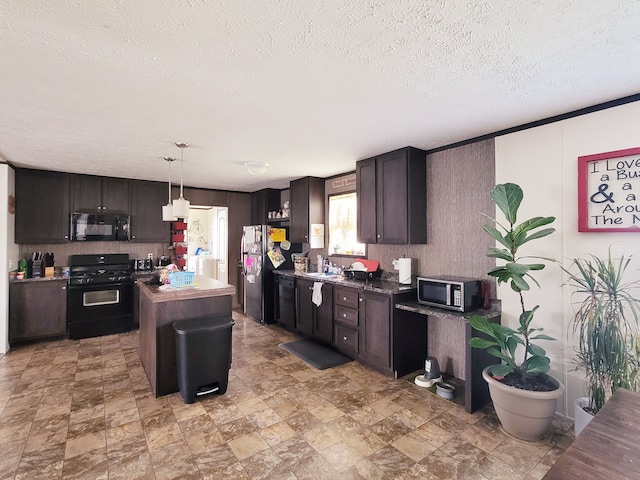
(607, 315)
(500, 341)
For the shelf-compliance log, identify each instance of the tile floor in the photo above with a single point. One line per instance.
(84, 409)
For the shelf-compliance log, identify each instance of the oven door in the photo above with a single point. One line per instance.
(94, 310)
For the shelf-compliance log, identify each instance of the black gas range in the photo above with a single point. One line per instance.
(99, 295)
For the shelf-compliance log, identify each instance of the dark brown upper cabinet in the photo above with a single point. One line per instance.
(306, 202)
(147, 200)
(42, 207)
(262, 202)
(100, 194)
(392, 197)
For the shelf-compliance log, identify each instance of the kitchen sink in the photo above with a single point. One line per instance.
(324, 275)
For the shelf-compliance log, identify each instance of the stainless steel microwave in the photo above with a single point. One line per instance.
(99, 226)
(453, 293)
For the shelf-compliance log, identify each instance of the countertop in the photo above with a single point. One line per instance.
(388, 287)
(39, 279)
(414, 306)
(203, 287)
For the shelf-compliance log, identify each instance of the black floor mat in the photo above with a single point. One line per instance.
(315, 354)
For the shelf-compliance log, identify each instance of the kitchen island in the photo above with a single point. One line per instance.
(159, 308)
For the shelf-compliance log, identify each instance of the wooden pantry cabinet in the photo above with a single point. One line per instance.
(392, 197)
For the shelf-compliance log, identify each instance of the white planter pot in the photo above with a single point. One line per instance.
(580, 417)
(523, 414)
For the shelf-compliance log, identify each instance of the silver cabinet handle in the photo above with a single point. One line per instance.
(344, 315)
(344, 298)
(310, 288)
(344, 338)
(361, 299)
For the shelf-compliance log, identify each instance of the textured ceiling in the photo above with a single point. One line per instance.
(106, 87)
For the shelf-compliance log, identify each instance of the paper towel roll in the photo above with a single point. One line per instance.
(403, 265)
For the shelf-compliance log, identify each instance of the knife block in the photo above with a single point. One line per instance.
(34, 268)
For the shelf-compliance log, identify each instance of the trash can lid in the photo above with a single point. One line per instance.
(203, 324)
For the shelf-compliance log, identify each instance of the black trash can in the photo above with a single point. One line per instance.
(203, 354)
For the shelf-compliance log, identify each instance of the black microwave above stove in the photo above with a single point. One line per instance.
(453, 293)
(112, 226)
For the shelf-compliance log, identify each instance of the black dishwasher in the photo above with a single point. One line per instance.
(286, 302)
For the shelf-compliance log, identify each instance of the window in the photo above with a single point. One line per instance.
(343, 236)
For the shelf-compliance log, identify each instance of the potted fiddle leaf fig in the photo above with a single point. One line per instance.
(524, 395)
(606, 318)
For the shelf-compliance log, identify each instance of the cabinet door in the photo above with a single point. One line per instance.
(391, 191)
(262, 202)
(115, 194)
(147, 199)
(375, 329)
(286, 302)
(37, 309)
(42, 207)
(306, 199)
(323, 321)
(304, 310)
(86, 193)
(299, 206)
(366, 193)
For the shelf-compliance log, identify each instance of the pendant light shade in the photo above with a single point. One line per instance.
(167, 210)
(181, 205)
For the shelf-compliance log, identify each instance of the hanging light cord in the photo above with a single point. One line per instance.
(169, 160)
(181, 146)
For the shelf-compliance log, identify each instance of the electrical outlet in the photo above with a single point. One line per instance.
(150, 256)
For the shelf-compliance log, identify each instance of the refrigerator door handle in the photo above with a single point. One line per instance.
(244, 255)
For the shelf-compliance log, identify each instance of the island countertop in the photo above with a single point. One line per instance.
(203, 287)
(159, 309)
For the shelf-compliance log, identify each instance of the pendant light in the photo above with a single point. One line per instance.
(181, 205)
(167, 210)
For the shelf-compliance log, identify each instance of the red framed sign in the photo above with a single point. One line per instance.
(609, 191)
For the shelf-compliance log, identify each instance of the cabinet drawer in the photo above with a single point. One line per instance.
(346, 316)
(346, 296)
(346, 339)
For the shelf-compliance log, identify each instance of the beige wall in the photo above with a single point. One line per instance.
(543, 161)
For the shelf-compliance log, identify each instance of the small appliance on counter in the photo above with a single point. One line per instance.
(460, 294)
(431, 375)
(363, 269)
(403, 265)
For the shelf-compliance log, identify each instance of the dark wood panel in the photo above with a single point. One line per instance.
(375, 329)
(366, 190)
(607, 448)
(42, 207)
(147, 200)
(323, 318)
(37, 310)
(304, 310)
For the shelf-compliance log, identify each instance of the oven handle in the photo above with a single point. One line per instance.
(87, 286)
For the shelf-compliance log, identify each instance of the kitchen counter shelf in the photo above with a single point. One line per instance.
(447, 339)
(376, 285)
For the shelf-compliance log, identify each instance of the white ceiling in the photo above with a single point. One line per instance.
(106, 87)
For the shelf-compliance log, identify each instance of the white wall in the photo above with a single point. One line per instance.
(543, 161)
(8, 250)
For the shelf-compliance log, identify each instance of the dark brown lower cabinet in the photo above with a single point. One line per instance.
(285, 303)
(312, 320)
(375, 329)
(365, 328)
(37, 310)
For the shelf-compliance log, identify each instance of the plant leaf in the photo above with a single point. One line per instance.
(500, 370)
(507, 197)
